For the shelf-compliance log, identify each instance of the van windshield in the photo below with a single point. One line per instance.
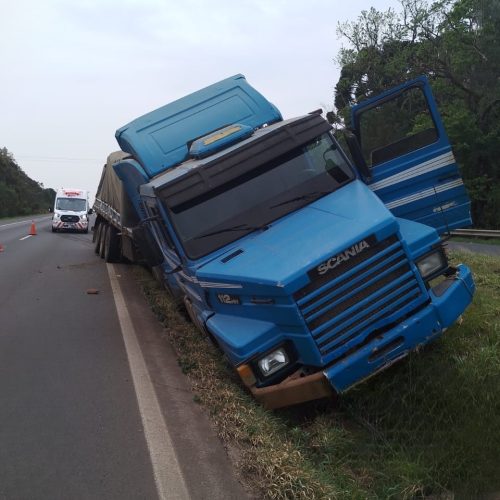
(71, 204)
(248, 203)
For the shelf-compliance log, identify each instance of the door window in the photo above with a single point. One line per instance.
(396, 127)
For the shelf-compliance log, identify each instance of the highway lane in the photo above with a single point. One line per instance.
(70, 423)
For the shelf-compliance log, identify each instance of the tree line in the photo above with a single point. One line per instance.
(456, 44)
(20, 195)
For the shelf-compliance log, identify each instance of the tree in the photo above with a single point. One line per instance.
(20, 195)
(456, 43)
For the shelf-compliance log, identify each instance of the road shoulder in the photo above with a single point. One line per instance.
(205, 465)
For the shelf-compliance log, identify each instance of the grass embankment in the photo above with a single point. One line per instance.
(481, 241)
(429, 425)
(24, 217)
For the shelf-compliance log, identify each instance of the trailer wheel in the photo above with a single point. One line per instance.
(97, 237)
(102, 243)
(112, 245)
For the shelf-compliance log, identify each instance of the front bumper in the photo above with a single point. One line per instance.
(76, 226)
(448, 302)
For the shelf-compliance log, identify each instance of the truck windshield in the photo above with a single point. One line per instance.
(252, 201)
(71, 204)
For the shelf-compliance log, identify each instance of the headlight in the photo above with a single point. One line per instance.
(432, 264)
(56, 216)
(83, 217)
(273, 362)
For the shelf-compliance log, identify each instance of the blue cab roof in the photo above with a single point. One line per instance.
(161, 139)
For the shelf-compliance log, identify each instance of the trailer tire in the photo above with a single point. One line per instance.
(102, 243)
(112, 245)
(97, 237)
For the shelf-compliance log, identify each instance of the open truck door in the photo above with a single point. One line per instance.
(412, 166)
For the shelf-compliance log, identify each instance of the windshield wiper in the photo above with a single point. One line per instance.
(239, 227)
(307, 196)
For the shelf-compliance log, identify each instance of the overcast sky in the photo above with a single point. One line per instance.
(73, 71)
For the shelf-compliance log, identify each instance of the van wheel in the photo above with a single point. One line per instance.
(54, 229)
(112, 245)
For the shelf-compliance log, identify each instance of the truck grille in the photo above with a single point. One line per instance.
(371, 282)
(70, 218)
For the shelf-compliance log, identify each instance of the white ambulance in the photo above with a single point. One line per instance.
(71, 210)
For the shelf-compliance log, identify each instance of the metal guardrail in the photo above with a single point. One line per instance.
(476, 233)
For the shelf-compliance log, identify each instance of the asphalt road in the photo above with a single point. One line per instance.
(482, 248)
(92, 402)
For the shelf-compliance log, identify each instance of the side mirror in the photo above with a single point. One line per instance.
(357, 155)
(90, 212)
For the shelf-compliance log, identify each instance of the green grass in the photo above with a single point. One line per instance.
(22, 217)
(481, 241)
(428, 426)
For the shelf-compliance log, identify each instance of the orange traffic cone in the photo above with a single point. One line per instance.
(33, 229)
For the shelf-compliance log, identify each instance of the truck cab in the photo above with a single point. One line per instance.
(71, 210)
(311, 271)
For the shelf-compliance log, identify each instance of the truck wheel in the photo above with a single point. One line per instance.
(97, 237)
(53, 229)
(112, 245)
(102, 245)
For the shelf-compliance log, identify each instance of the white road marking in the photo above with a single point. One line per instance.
(24, 237)
(29, 221)
(168, 476)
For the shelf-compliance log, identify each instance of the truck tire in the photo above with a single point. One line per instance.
(112, 245)
(102, 243)
(97, 237)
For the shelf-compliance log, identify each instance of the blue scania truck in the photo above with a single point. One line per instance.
(312, 269)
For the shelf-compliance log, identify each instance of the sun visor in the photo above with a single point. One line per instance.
(237, 162)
